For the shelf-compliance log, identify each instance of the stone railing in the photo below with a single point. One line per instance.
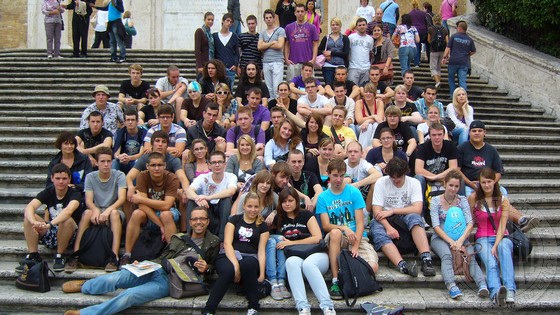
(520, 69)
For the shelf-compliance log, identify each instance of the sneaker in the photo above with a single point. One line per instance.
(49, 56)
(285, 293)
(59, 264)
(125, 260)
(29, 259)
(276, 293)
(454, 292)
(112, 265)
(74, 286)
(59, 57)
(483, 292)
(329, 311)
(500, 297)
(335, 292)
(304, 311)
(71, 265)
(410, 269)
(252, 311)
(427, 268)
(121, 60)
(527, 224)
(438, 84)
(72, 312)
(510, 296)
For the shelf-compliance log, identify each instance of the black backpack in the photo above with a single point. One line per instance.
(355, 277)
(95, 246)
(438, 42)
(148, 246)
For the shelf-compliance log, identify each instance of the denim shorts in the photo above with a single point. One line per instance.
(379, 234)
(151, 225)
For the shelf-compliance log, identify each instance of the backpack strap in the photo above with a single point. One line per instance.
(335, 136)
(189, 241)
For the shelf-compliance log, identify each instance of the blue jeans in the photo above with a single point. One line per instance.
(461, 72)
(235, 27)
(493, 270)
(114, 40)
(328, 75)
(313, 267)
(461, 134)
(231, 75)
(441, 248)
(275, 259)
(139, 290)
(406, 55)
(125, 168)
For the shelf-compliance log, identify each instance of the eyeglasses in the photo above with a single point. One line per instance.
(156, 165)
(165, 117)
(199, 219)
(222, 92)
(216, 163)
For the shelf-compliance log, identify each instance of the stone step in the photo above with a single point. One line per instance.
(69, 122)
(523, 172)
(530, 185)
(23, 180)
(526, 130)
(527, 149)
(529, 160)
(503, 117)
(522, 139)
(26, 142)
(50, 131)
(24, 167)
(28, 154)
(18, 195)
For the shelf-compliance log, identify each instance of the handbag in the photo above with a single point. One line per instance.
(522, 246)
(462, 259)
(130, 30)
(184, 278)
(321, 59)
(35, 277)
(390, 75)
(397, 40)
(305, 250)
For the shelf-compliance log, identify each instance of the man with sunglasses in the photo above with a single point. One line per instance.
(155, 285)
(214, 191)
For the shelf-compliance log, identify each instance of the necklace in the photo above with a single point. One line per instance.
(449, 202)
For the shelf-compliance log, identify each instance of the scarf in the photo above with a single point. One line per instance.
(210, 41)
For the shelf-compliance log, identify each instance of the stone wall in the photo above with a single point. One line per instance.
(525, 72)
(13, 23)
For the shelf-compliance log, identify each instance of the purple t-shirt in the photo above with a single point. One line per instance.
(261, 115)
(232, 137)
(298, 81)
(301, 38)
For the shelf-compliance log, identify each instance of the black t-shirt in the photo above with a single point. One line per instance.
(472, 160)
(434, 162)
(296, 229)
(349, 86)
(408, 109)
(137, 92)
(305, 183)
(402, 134)
(312, 165)
(55, 205)
(381, 87)
(195, 113)
(246, 236)
(149, 112)
(415, 93)
(292, 107)
(90, 140)
(243, 89)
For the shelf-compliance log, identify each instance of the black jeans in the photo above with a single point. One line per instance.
(80, 26)
(249, 268)
(101, 37)
(218, 214)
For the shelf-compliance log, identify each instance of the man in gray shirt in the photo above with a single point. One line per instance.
(271, 44)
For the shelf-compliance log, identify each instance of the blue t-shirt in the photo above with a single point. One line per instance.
(341, 208)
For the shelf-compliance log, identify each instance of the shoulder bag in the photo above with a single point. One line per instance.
(462, 259)
(305, 250)
(184, 278)
(522, 246)
(35, 277)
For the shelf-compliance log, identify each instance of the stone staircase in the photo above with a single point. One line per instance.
(39, 98)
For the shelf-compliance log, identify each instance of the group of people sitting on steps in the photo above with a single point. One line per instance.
(249, 173)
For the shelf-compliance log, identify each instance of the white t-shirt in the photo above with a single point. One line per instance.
(320, 102)
(359, 172)
(205, 185)
(164, 85)
(367, 12)
(386, 195)
(360, 47)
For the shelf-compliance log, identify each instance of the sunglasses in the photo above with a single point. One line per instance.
(222, 92)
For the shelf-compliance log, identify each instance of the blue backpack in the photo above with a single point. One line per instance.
(455, 223)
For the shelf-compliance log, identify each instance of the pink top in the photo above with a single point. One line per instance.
(447, 9)
(483, 223)
(315, 20)
(197, 173)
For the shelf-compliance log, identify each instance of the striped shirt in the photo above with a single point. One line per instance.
(249, 51)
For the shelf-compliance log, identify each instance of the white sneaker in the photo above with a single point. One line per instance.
(49, 56)
(510, 296)
(59, 57)
(252, 311)
(329, 311)
(438, 84)
(304, 311)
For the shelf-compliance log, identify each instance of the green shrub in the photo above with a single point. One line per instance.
(534, 23)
